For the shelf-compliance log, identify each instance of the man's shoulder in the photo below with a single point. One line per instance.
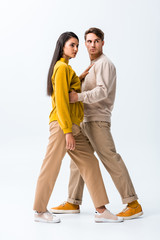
(104, 60)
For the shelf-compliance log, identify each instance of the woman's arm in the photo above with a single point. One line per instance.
(62, 105)
(70, 141)
(62, 98)
(82, 76)
(73, 96)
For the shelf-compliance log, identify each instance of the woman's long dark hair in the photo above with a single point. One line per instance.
(64, 37)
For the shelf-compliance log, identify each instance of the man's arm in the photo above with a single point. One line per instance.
(98, 93)
(95, 95)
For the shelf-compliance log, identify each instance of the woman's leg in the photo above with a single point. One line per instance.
(50, 168)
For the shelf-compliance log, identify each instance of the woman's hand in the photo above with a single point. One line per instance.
(82, 76)
(70, 141)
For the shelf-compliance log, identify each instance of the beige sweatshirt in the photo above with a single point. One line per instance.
(98, 90)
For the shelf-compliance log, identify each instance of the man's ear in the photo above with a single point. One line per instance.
(85, 43)
(102, 43)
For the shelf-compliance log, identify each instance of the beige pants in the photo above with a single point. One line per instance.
(87, 164)
(99, 135)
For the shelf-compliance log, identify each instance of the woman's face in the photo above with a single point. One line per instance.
(70, 48)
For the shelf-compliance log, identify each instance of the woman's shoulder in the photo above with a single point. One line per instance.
(61, 65)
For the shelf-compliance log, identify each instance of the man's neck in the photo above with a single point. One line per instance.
(95, 56)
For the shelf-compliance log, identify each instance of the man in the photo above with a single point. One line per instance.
(98, 95)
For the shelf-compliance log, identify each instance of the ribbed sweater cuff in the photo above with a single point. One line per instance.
(67, 130)
(80, 97)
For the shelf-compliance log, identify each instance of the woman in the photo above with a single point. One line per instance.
(66, 135)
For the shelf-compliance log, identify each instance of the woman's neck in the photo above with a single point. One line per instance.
(65, 57)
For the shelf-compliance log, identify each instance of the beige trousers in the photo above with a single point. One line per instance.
(99, 135)
(83, 157)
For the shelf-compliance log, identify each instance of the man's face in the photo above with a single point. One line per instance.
(94, 44)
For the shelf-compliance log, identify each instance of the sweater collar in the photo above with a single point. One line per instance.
(95, 60)
(64, 60)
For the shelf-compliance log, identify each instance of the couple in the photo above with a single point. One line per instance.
(98, 93)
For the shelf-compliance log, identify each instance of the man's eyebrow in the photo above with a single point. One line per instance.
(93, 40)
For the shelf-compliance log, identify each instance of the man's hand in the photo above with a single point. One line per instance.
(73, 97)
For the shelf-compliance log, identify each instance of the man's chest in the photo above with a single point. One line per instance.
(90, 81)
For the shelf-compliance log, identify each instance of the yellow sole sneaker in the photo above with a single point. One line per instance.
(131, 213)
(66, 208)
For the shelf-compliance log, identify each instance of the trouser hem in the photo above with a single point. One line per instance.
(40, 210)
(102, 204)
(73, 201)
(129, 199)
(79, 202)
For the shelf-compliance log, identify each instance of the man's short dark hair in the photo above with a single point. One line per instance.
(98, 32)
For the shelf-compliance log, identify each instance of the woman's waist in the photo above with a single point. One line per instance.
(76, 111)
(76, 107)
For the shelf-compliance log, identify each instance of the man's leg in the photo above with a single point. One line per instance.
(99, 135)
(101, 139)
(76, 185)
(89, 168)
(75, 192)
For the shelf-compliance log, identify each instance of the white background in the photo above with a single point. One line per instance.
(28, 32)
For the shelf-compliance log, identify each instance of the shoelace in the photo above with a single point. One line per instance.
(125, 209)
(50, 213)
(63, 203)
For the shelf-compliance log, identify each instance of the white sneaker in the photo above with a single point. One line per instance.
(46, 217)
(107, 216)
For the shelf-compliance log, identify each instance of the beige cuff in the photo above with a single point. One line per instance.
(80, 97)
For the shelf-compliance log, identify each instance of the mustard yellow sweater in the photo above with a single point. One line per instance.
(64, 80)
